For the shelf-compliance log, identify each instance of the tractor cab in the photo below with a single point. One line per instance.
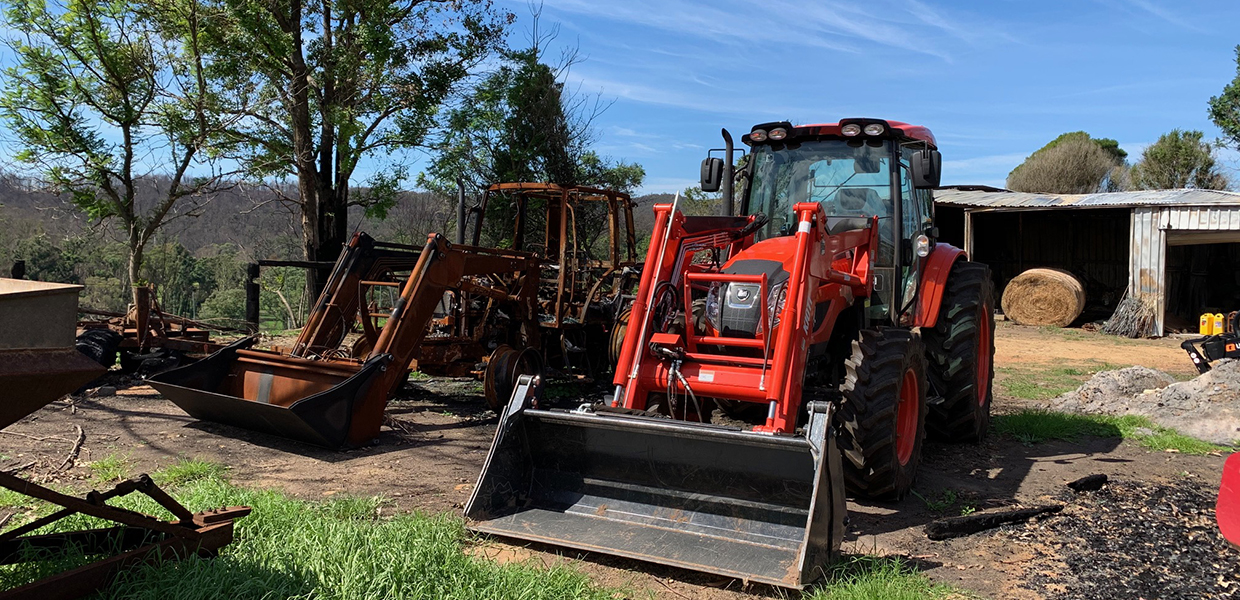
(858, 170)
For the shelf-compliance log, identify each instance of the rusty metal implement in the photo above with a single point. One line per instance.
(39, 364)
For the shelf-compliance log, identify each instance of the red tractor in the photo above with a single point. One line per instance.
(829, 310)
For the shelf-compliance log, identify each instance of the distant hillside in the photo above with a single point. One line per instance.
(253, 219)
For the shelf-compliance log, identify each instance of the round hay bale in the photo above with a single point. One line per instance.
(1044, 297)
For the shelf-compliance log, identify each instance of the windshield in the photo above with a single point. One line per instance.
(851, 179)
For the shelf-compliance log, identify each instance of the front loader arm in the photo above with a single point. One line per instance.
(443, 266)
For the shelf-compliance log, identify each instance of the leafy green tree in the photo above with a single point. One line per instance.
(1073, 163)
(313, 88)
(695, 202)
(1179, 159)
(520, 125)
(1225, 107)
(101, 90)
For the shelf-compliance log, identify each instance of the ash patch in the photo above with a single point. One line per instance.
(1132, 540)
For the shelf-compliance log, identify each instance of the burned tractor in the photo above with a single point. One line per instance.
(446, 303)
(828, 309)
(587, 250)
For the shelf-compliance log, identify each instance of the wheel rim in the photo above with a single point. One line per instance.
(906, 417)
(983, 359)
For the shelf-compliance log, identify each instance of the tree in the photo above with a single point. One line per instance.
(520, 124)
(1225, 107)
(1179, 159)
(1073, 163)
(105, 95)
(695, 202)
(314, 88)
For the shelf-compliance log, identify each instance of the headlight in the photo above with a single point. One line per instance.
(923, 246)
(757, 135)
(849, 130)
(775, 301)
(874, 129)
(776, 134)
(712, 307)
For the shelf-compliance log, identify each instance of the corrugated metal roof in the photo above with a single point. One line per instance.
(990, 198)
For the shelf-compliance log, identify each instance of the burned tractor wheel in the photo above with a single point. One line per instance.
(615, 341)
(504, 367)
(100, 345)
(882, 413)
(960, 351)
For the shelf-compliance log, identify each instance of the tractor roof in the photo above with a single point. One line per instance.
(916, 132)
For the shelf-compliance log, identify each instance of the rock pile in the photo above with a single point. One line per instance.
(1207, 407)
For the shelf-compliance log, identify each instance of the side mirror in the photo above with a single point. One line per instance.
(712, 174)
(927, 169)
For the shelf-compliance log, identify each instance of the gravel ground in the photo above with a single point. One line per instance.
(1132, 540)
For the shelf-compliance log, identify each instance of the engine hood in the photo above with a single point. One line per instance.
(773, 257)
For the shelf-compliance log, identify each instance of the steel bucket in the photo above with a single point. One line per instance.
(317, 402)
(756, 507)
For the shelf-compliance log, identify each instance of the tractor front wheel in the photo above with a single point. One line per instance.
(960, 349)
(883, 413)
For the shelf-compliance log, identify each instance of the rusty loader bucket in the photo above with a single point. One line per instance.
(758, 507)
(38, 361)
(324, 403)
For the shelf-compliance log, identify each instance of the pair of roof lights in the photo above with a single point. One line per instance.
(854, 129)
(850, 130)
(775, 135)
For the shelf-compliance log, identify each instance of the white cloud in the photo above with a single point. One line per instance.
(852, 27)
(666, 185)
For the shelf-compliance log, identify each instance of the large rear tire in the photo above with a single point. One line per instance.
(960, 352)
(883, 413)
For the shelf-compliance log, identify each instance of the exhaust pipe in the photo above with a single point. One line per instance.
(460, 212)
(728, 202)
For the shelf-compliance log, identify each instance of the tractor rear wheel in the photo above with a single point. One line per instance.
(883, 413)
(960, 350)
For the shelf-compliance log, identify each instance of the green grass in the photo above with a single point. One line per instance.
(343, 549)
(418, 376)
(324, 550)
(945, 500)
(189, 469)
(110, 469)
(875, 578)
(1031, 383)
(1032, 426)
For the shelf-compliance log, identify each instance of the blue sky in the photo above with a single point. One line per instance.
(995, 80)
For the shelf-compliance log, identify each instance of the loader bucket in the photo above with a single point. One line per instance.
(30, 379)
(317, 402)
(38, 361)
(756, 507)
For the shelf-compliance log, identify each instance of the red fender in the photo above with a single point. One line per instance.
(934, 273)
(1227, 510)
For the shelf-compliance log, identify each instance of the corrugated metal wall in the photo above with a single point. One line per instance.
(1148, 256)
(1209, 218)
(1147, 260)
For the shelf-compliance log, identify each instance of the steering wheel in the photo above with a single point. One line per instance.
(664, 305)
(759, 221)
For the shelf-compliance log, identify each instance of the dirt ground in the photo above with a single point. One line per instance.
(439, 432)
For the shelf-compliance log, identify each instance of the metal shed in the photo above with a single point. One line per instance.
(1083, 233)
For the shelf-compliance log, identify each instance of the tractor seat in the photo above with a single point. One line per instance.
(838, 225)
